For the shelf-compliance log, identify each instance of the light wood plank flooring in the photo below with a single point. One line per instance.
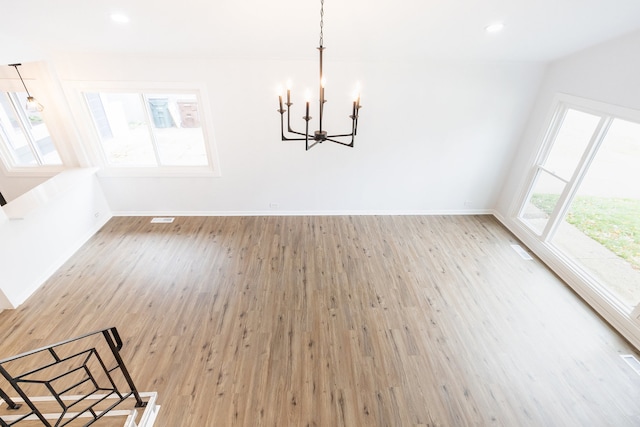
(337, 321)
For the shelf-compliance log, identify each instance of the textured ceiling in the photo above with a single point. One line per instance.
(538, 30)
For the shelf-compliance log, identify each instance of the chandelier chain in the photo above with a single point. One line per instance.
(321, 22)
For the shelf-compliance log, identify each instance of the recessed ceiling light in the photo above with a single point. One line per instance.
(119, 18)
(494, 28)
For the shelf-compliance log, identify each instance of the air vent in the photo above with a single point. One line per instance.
(632, 361)
(164, 220)
(523, 254)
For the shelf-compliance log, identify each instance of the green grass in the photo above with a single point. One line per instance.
(613, 222)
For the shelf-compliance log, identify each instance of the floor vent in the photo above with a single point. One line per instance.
(164, 220)
(632, 361)
(523, 254)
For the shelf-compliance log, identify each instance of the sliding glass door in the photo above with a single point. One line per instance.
(584, 198)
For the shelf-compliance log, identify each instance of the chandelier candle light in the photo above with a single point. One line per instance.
(319, 135)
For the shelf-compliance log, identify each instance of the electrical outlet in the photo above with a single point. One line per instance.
(274, 205)
(468, 203)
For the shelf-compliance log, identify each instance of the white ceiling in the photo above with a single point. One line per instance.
(535, 30)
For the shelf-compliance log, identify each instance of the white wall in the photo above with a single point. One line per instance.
(432, 136)
(42, 228)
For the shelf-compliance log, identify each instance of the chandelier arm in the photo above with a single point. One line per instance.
(286, 138)
(282, 124)
(289, 117)
(296, 133)
(295, 139)
(309, 147)
(301, 133)
(354, 129)
(348, 144)
(344, 135)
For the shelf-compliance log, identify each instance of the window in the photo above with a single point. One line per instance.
(24, 137)
(569, 137)
(584, 198)
(149, 129)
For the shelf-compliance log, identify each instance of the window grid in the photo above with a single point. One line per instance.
(149, 117)
(178, 142)
(14, 120)
(13, 99)
(572, 183)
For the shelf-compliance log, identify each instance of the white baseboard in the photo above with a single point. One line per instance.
(307, 213)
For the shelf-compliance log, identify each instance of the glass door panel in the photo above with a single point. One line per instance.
(570, 138)
(542, 201)
(571, 142)
(601, 231)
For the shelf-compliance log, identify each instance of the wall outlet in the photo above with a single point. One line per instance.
(274, 205)
(468, 203)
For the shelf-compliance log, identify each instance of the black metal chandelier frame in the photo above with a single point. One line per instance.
(320, 135)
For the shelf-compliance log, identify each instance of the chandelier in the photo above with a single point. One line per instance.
(320, 135)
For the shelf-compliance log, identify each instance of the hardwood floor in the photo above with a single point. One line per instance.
(337, 321)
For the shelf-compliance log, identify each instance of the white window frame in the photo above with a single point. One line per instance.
(562, 103)
(94, 153)
(571, 184)
(44, 170)
(579, 279)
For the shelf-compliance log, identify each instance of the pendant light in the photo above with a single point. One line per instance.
(32, 104)
(321, 134)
